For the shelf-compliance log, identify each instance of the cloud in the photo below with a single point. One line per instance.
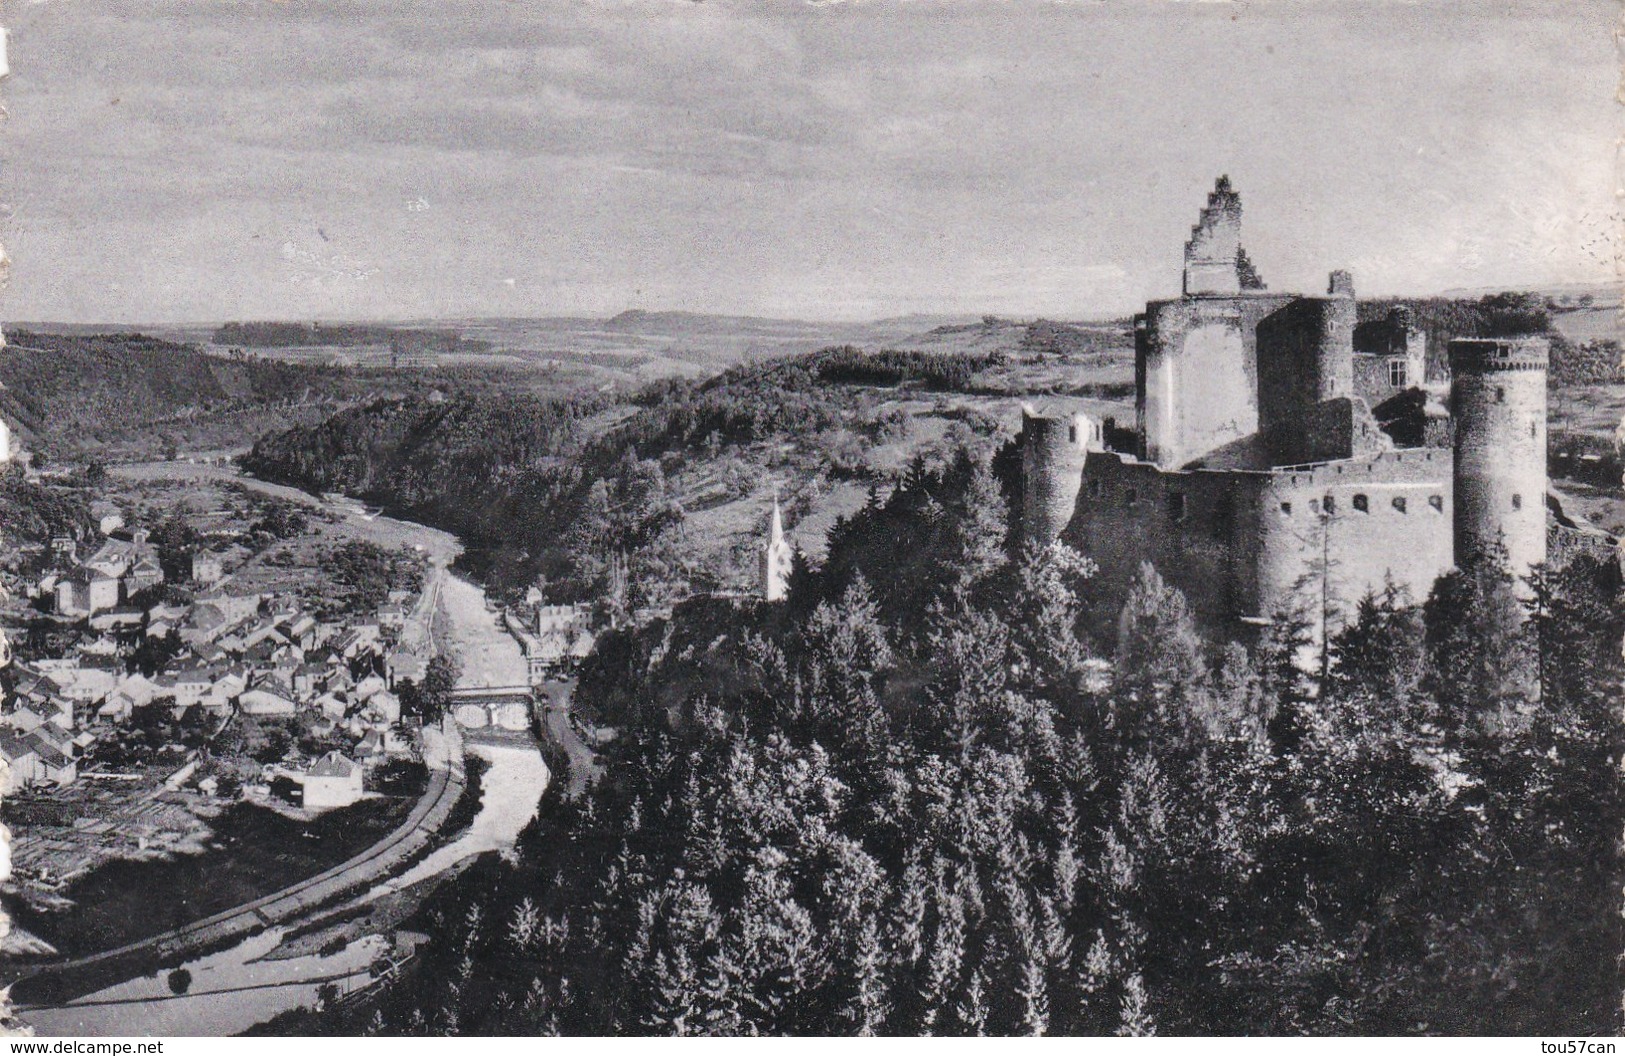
(883, 154)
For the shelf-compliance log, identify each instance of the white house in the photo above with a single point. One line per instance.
(333, 781)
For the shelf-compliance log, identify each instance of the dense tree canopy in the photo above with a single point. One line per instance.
(916, 798)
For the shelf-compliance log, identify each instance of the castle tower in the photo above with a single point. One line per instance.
(1498, 404)
(776, 558)
(1053, 451)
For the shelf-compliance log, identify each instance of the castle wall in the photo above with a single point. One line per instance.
(1334, 532)
(1196, 374)
(1498, 403)
(1196, 527)
(1239, 544)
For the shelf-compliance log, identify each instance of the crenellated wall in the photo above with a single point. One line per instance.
(1240, 544)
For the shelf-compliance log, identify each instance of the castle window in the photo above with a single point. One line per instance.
(1286, 509)
(1176, 507)
(1500, 395)
(1362, 504)
(1437, 502)
(1532, 425)
(1072, 433)
(1517, 502)
(1329, 504)
(1396, 373)
(1314, 505)
(1399, 503)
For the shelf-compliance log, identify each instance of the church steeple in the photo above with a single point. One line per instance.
(776, 557)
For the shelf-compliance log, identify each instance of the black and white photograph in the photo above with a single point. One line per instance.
(779, 518)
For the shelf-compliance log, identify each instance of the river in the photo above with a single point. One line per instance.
(236, 988)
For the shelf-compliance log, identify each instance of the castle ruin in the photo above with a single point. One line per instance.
(1259, 474)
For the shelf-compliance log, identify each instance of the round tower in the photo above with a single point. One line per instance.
(1053, 450)
(1498, 405)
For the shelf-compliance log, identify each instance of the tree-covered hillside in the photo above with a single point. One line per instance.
(915, 800)
(73, 393)
(576, 489)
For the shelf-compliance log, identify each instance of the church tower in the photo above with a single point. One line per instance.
(776, 558)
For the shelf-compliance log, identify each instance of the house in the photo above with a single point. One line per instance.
(402, 665)
(117, 618)
(560, 635)
(385, 705)
(263, 630)
(55, 767)
(83, 685)
(22, 760)
(133, 691)
(144, 574)
(86, 590)
(24, 719)
(361, 638)
(368, 687)
(109, 518)
(173, 614)
(231, 681)
(268, 696)
(192, 683)
(300, 629)
(308, 679)
(333, 781)
(34, 759)
(207, 568)
(373, 748)
(392, 616)
(206, 623)
(332, 705)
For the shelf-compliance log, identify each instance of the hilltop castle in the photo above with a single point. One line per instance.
(1257, 469)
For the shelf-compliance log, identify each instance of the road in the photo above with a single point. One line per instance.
(556, 714)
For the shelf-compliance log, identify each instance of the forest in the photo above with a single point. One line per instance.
(567, 487)
(916, 798)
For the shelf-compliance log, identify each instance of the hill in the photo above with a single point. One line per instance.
(121, 394)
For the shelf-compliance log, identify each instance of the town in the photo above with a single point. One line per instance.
(202, 647)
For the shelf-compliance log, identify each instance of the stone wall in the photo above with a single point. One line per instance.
(1213, 254)
(1334, 532)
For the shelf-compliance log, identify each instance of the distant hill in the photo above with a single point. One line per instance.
(76, 392)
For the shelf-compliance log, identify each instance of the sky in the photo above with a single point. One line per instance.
(205, 160)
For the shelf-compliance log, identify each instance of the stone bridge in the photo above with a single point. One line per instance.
(504, 707)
